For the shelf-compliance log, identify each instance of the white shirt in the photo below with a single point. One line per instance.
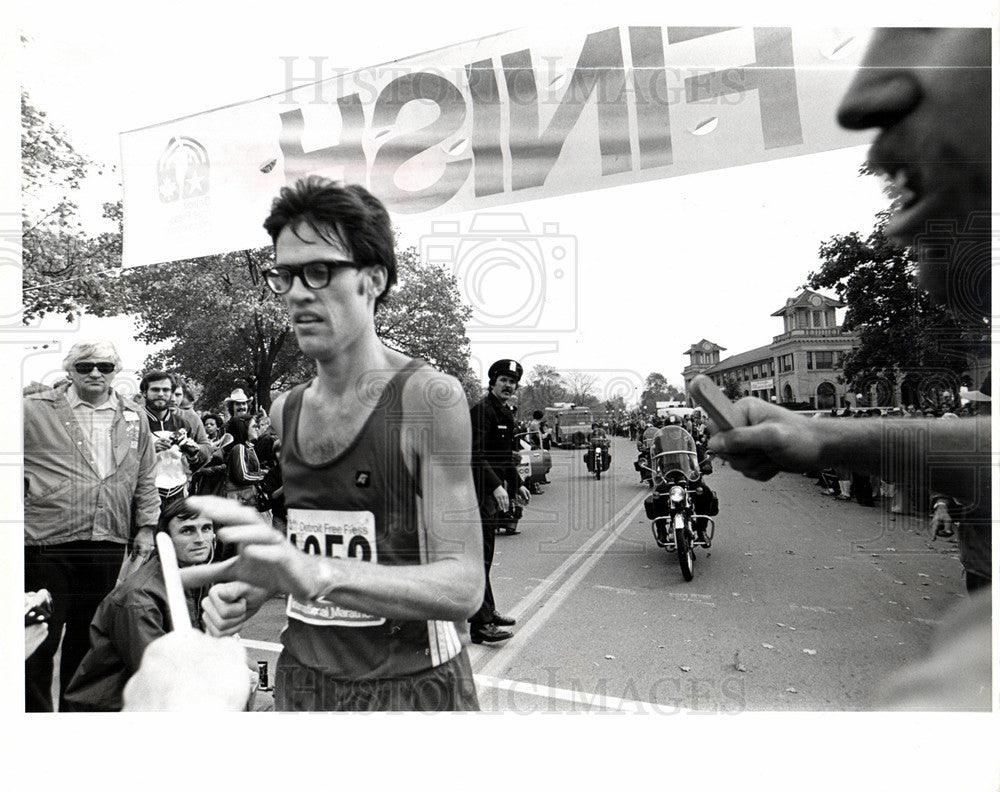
(96, 423)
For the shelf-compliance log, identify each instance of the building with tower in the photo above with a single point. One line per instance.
(800, 367)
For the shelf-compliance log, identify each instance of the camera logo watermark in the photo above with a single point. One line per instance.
(515, 279)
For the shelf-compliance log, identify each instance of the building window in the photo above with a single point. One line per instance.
(823, 360)
(818, 319)
(756, 372)
(786, 363)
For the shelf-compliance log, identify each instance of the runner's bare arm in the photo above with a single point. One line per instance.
(448, 586)
(277, 409)
(777, 439)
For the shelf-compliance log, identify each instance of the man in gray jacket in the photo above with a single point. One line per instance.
(89, 489)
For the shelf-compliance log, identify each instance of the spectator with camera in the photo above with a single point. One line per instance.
(494, 473)
(180, 441)
(89, 489)
(135, 614)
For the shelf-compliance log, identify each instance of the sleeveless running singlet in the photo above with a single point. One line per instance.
(363, 504)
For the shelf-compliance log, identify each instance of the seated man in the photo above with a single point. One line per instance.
(135, 614)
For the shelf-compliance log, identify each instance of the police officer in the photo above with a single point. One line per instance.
(494, 472)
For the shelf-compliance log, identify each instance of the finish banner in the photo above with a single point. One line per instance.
(519, 116)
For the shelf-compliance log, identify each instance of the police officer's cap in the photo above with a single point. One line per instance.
(508, 367)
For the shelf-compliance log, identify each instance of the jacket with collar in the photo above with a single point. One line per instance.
(65, 499)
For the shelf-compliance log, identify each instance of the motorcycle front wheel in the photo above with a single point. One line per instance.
(685, 553)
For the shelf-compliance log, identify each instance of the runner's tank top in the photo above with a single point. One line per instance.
(363, 504)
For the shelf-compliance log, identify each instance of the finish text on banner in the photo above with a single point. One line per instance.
(517, 116)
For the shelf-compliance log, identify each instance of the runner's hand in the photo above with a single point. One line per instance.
(524, 494)
(264, 558)
(229, 605)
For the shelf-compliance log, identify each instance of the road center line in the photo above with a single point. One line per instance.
(504, 656)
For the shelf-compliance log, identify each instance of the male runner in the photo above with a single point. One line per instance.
(383, 552)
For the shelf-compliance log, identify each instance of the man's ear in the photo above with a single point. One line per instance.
(378, 277)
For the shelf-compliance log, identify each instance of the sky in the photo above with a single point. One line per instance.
(658, 265)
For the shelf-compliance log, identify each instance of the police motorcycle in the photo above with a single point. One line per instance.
(681, 505)
(598, 455)
(643, 465)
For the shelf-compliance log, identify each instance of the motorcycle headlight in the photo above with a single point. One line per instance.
(676, 494)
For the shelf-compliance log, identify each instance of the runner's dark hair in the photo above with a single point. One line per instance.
(343, 213)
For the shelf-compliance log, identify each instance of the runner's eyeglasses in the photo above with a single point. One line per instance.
(86, 368)
(313, 274)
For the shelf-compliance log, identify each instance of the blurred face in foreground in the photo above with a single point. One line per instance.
(928, 92)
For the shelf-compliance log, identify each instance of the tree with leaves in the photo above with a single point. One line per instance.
(656, 388)
(424, 316)
(901, 330)
(62, 266)
(731, 388)
(542, 387)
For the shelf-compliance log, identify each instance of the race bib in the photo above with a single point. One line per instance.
(334, 534)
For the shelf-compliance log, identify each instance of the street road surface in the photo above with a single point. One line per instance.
(803, 602)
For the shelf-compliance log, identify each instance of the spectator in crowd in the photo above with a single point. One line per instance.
(928, 92)
(237, 403)
(135, 614)
(213, 426)
(180, 440)
(210, 478)
(243, 470)
(89, 490)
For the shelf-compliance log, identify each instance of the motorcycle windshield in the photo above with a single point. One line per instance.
(674, 450)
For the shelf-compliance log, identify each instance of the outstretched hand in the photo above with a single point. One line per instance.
(774, 439)
(265, 564)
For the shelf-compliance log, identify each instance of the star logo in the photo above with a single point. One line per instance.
(182, 170)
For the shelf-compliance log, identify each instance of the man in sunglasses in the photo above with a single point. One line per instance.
(89, 466)
(384, 548)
